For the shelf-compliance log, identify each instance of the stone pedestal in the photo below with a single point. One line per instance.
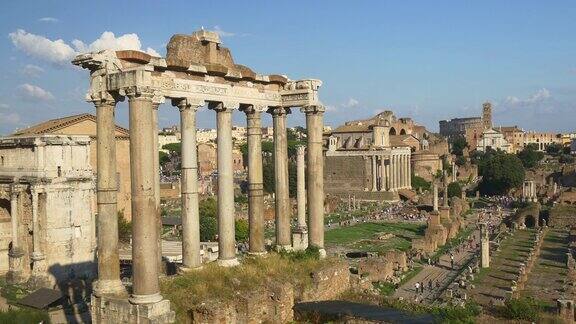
(485, 246)
(444, 213)
(119, 310)
(300, 239)
(15, 273)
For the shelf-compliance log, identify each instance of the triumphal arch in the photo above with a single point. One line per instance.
(196, 72)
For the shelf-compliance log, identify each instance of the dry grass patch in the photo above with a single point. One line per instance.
(215, 283)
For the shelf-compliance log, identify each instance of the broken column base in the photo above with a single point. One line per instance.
(300, 239)
(106, 309)
(15, 275)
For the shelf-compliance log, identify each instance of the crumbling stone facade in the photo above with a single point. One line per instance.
(49, 183)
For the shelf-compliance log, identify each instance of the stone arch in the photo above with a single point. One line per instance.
(4, 208)
(402, 131)
(530, 221)
(392, 131)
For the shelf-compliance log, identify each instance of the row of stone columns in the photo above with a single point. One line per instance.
(391, 174)
(146, 239)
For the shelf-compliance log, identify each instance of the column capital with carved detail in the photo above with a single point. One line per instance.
(278, 111)
(188, 103)
(313, 109)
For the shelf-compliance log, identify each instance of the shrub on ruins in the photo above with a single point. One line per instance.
(24, 316)
(454, 190)
(241, 230)
(500, 173)
(526, 308)
(458, 144)
(530, 156)
(566, 159)
(460, 161)
(554, 149)
(419, 183)
(124, 228)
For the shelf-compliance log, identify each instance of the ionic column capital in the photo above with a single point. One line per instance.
(188, 103)
(252, 110)
(105, 98)
(139, 93)
(278, 111)
(313, 109)
(223, 106)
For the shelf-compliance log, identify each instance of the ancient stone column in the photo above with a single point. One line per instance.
(387, 173)
(226, 225)
(301, 193)
(408, 172)
(108, 282)
(300, 234)
(146, 287)
(39, 277)
(382, 174)
(435, 197)
(15, 266)
(445, 197)
(255, 179)
(189, 183)
(281, 189)
(485, 246)
(374, 172)
(315, 176)
(156, 101)
(402, 171)
(454, 177)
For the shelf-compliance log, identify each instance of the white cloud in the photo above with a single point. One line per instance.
(31, 70)
(34, 93)
(223, 33)
(61, 53)
(49, 19)
(42, 48)
(351, 103)
(539, 97)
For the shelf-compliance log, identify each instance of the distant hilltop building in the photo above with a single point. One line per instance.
(471, 128)
(372, 159)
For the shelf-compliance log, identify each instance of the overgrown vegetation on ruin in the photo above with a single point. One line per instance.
(23, 316)
(215, 283)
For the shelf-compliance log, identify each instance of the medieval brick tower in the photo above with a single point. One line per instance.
(487, 115)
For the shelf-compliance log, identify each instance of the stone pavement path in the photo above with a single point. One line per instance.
(440, 273)
(494, 282)
(546, 280)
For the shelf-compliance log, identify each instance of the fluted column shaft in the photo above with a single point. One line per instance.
(393, 177)
(226, 225)
(301, 192)
(146, 287)
(409, 171)
(435, 196)
(189, 184)
(38, 257)
(315, 175)
(106, 186)
(255, 181)
(281, 189)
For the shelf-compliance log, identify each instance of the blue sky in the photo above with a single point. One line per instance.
(428, 60)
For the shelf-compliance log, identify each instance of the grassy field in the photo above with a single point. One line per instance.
(364, 236)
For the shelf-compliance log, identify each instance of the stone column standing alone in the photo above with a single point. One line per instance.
(300, 235)
(108, 258)
(255, 180)
(189, 184)
(435, 196)
(226, 226)
(382, 174)
(374, 173)
(315, 175)
(485, 246)
(146, 288)
(39, 278)
(281, 189)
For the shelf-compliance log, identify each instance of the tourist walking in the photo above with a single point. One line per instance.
(417, 286)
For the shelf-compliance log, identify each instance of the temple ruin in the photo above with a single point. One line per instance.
(197, 71)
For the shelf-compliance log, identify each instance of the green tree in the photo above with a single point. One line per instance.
(420, 183)
(124, 228)
(458, 145)
(208, 207)
(241, 230)
(173, 147)
(530, 156)
(500, 173)
(454, 190)
(554, 149)
(208, 228)
(164, 157)
(460, 161)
